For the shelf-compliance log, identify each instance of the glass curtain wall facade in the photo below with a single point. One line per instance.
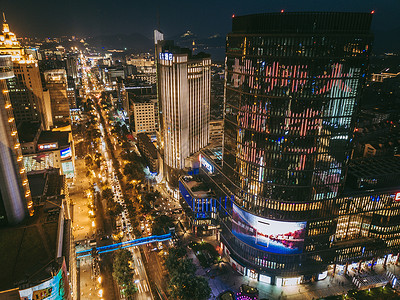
(15, 195)
(293, 82)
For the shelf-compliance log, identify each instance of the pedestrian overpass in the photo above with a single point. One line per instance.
(123, 245)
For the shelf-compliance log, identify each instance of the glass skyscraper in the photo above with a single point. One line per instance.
(293, 83)
(15, 195)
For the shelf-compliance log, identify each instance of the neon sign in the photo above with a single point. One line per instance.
(65, 153)
(48, 146)
(206, 164)
(397, 197)
(166, 56)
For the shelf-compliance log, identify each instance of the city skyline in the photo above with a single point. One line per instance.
(262, 162)
(102, 18)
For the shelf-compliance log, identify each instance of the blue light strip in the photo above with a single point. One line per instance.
(83, 255)
(126, 244)
(138, 244)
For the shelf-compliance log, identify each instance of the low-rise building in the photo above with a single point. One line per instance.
(149, 151)
(216, 131)
(52, 149)
(144, 116)
(36, 256)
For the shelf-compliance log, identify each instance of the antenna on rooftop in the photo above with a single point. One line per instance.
(4, 17)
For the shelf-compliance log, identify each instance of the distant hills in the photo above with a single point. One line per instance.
(214, 44)
(385, 41)
(133, 42)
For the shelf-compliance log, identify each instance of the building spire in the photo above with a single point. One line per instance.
(4, 17)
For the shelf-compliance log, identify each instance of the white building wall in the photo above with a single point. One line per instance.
(185, 97)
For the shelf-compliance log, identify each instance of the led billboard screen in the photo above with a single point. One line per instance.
(65, 153)
(48, 146)
(68, 169)
(56, 288)
(268, 235)
(204, 163)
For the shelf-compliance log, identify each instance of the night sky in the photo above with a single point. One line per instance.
(44, 18)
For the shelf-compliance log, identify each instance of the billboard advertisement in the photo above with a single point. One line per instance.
(65, 153)
(48, 146)
(56, 288)
(68, 169)
(268, 235)
(204, 163)
(37, 162)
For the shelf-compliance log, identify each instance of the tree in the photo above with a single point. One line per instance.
(88, 161)
(122, 273)
(147, 201)
(161, 224)
(174, 255)
(129, 290)
(133, 171)
(107, 194)
(186, 286)
(126, 146)
(114, 208)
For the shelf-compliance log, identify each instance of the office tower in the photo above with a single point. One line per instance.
(25, 88)
(56, 84)
(184, 97)
(216, 132)
(144, 116)
(71, 62)
(293, 82)
(71, 94)
(15, 195)
(123, 100)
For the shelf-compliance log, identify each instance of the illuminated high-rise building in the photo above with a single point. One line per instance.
(56, 84)
(293, 82)
(184, 83)
(25, 88)
(15, 195)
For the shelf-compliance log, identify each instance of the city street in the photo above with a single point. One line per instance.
(83, 230)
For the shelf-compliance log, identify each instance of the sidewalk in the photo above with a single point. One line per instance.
(222, 277)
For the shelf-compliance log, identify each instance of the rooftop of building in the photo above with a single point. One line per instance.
(375, 166)
(142, 99)
(48, 183)
(303, 23)
(55, 72)
(61, 137)
(170, 47)
(27, 131)
(374, 174)
(28, 251)
(214, 153)
(144, 138)
(196, 186)
(37, 182)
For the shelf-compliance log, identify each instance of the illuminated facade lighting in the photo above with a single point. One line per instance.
(288, 125)
(25, 89)
(184, 84)
(15, 193)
